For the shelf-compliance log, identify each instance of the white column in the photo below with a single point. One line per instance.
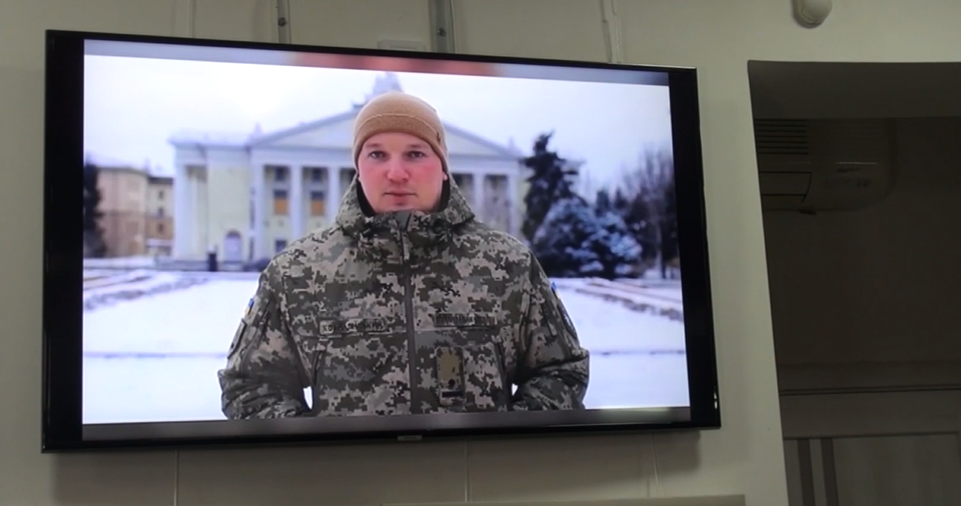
(183, 220)
(333, 189)
(296, 209)
(200, 219)
(513, 209)
(480, 206)
(259, 175)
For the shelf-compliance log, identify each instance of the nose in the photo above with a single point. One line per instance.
(396, 172)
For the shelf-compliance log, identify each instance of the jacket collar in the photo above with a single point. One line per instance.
(357, 220)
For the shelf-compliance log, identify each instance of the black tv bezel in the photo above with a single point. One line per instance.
(62, 428)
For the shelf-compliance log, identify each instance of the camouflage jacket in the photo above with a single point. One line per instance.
(404, 313)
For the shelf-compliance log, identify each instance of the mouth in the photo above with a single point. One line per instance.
(399, 194)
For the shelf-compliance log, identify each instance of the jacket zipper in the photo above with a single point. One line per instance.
(413, 380)
(502, 369)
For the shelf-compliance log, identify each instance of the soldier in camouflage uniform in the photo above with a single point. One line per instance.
(407, 304)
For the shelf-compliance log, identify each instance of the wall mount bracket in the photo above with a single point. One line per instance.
(282, 13)
(442, 26)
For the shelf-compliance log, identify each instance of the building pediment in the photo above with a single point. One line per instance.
(336, 132)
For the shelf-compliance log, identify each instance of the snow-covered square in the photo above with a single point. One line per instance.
(154, 340)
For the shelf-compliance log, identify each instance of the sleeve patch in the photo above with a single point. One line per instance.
(562, 310)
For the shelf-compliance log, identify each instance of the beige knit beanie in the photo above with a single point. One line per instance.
(400, 112)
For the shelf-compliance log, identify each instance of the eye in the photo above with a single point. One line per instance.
(375, 154)
(417, 154)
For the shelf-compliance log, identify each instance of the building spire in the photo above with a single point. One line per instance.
(383, 83)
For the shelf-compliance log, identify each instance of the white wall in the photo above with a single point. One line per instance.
(718, 37)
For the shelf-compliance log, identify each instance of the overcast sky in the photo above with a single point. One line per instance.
(134, 105)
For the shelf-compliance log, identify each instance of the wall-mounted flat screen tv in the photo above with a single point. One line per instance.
(289, 243)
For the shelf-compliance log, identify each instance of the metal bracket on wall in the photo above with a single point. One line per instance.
(185, 18)
(612, 35)
(442, 26)
(282, 9)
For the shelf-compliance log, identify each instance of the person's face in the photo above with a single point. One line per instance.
(400, 172)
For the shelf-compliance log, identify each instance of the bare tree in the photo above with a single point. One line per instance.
(649, 189)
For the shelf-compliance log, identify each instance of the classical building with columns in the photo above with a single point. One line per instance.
(248, 197)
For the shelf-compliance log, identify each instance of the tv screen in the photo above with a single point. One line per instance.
(283, 243)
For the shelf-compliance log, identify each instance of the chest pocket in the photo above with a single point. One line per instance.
(468, 363)
(357, 365)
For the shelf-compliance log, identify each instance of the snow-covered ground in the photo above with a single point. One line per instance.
(153, 342)
(134, 262)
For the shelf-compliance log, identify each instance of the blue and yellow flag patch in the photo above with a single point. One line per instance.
(250, 305)
(554, 290)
